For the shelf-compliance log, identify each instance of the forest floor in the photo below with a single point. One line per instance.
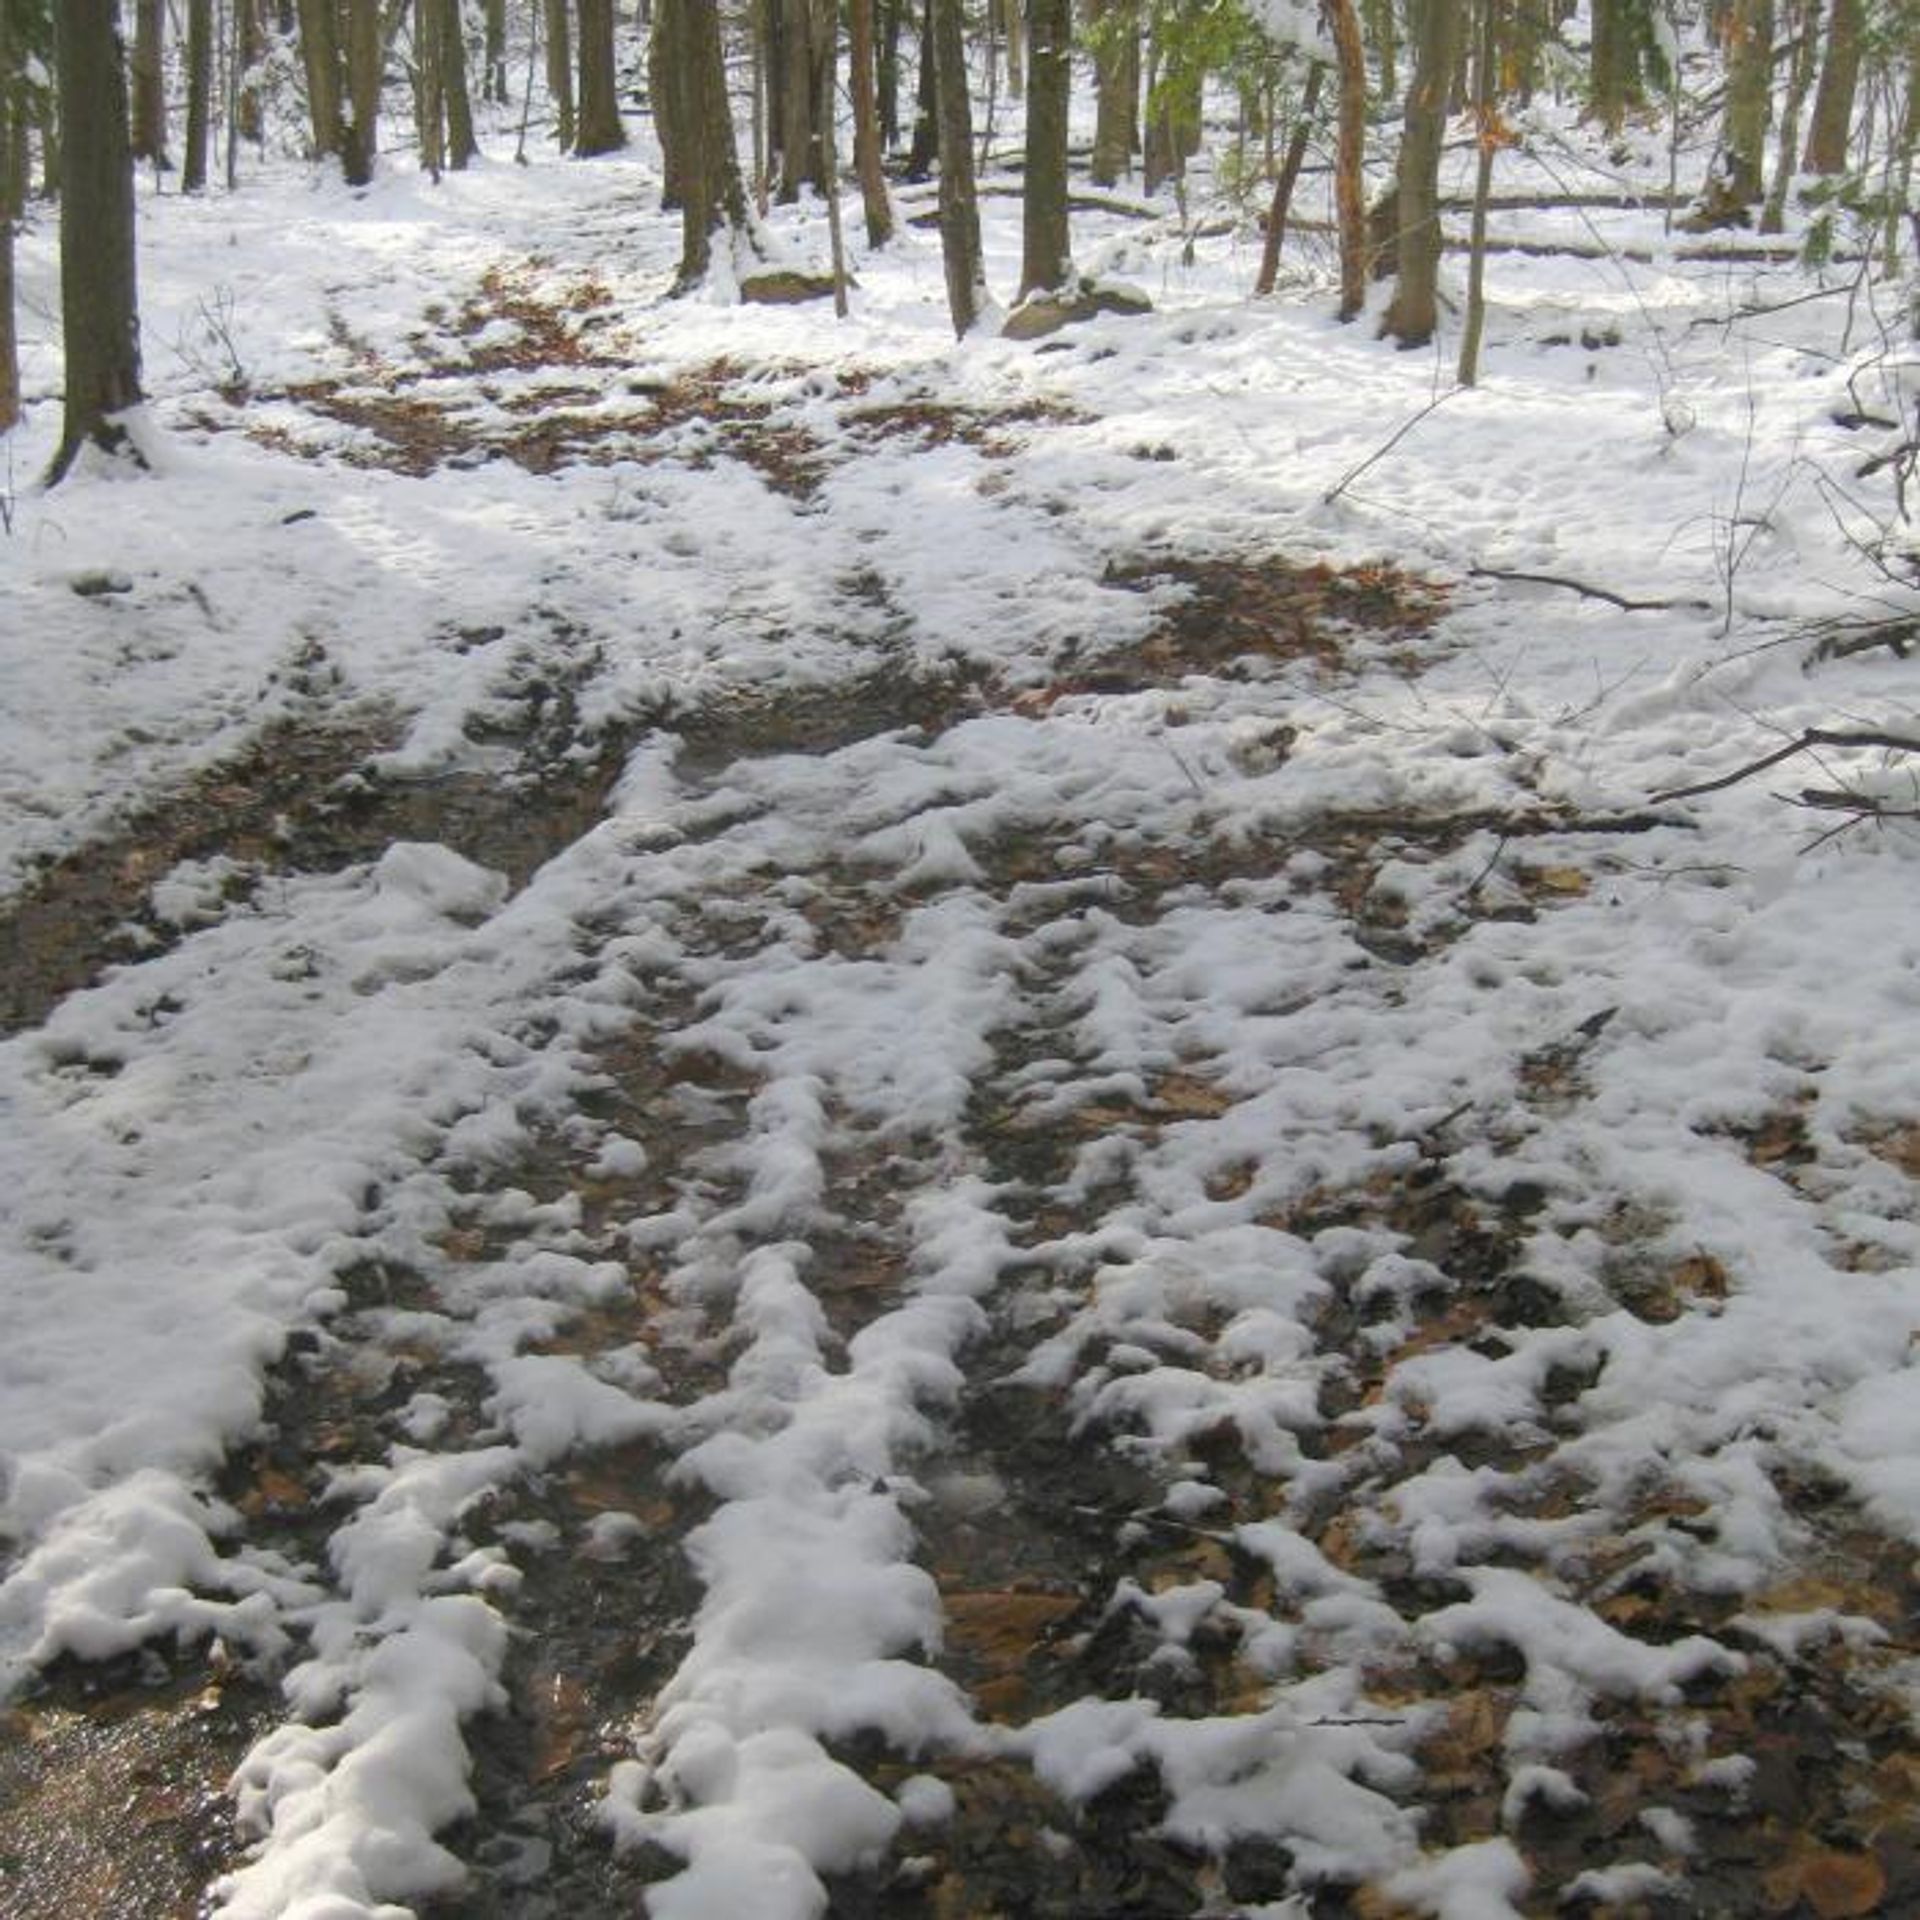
(812, 1123)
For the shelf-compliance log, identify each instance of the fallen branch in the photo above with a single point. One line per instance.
(1380, 452)
(1813, 737)
(1607, 594)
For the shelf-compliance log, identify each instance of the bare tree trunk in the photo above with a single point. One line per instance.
(1412, 312)
(823, 27)
(13, 195)
(874, 199)
(366, 67)
(799, 138)
(666, 89)
(1749, 42)
(560, 72)
(150, 82)
(926, 116)
(1486, 76)
(887, 71)
(1116, 134)
(1046, 255)
(1016, 64)
(959, 202)
(1839, 81)
(429, 97)
(1802, 23)
(493, 84)
(599, 129)
(1349, 193)
(458, 102)
(320, 59)
(99, 303)
(193, 173)
(1289, 178)
(714, 196)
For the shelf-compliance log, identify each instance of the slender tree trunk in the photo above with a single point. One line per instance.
(1802, 22)
(1349, 191)
(494, 82)
(1288, 179)
(13, 195)
(560, 72)
(193, 175)
(874, 199)
(461, 145)
(926, 119)
(1046, 256)
(149, 81)
(666, 88)
(1412, 313)
(599, 129)
(249, 45)
(1839, 81)
(886, 75)
(714, 196)
(824, 34)
(366, 67)
(1486, 80)
(1749, 42)
(1383, 34)
(1116, 133)
(799, 137)
(429, 96)
(1012, 21)
(320, 57)
(99, 305)
(959, 201)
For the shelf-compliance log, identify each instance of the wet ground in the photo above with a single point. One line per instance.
(1036, 1527)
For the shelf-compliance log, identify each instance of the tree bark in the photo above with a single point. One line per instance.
(1614, 64)
(1046, 254)
(874, 200)
(713, 193)
(959, 201)
(1412, 313)
(193, 172)
(887, 71)
(1116, 131)
(1349, 191)
(494, 80)
(13, 195)
(1802, 22)
(99, 302)
(366, 67)
(560, 72)
(1486, 64)
(1288, 179)
(457, 102)
(599, 129)
(825, 36)
(926, 117)
(1749, 43)
(798, 89)
(149, 82)
(320, 60)
(1833, 102)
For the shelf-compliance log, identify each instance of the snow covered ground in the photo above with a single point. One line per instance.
(1464, 1207)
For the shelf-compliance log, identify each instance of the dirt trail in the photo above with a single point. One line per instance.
(1041, 1516)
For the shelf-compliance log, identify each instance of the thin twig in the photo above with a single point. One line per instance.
(1607, 594)
(1380, 452)
(1812, 737)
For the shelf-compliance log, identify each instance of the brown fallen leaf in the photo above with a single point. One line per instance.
(1836, 1885)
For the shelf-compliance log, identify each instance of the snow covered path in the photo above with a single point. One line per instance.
(968, 1174)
